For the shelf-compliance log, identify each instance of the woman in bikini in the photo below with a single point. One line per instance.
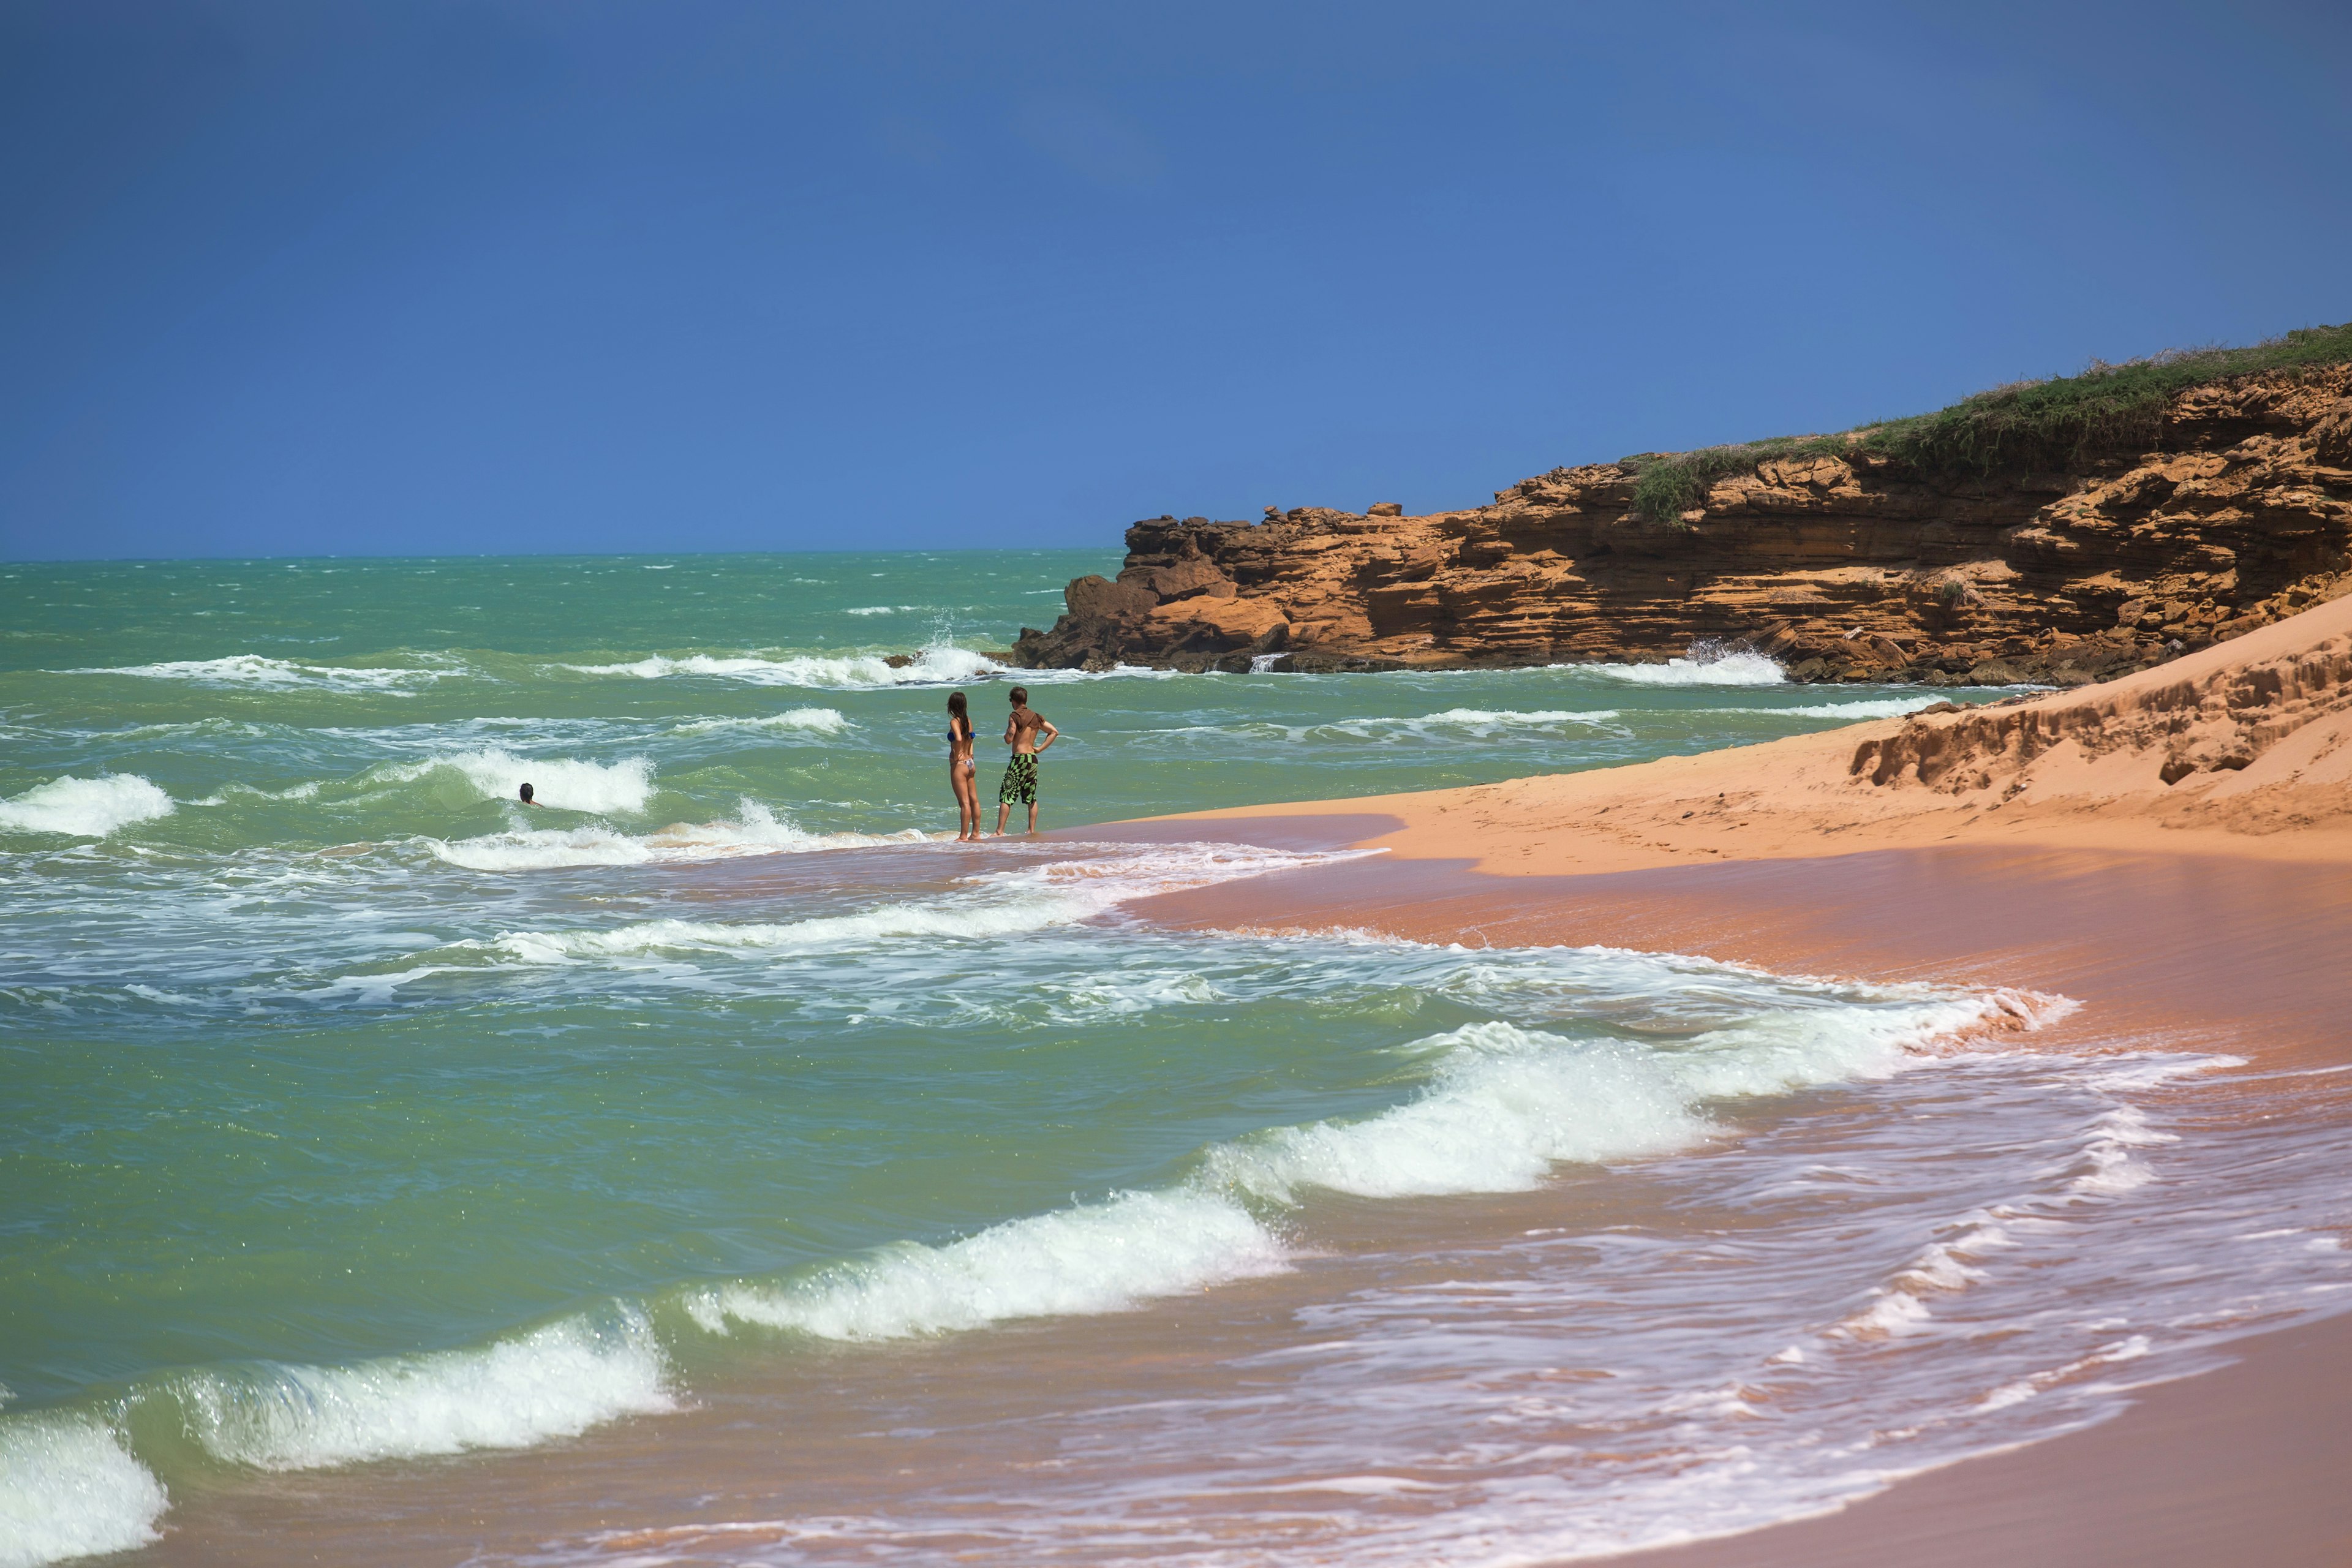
(960, 769)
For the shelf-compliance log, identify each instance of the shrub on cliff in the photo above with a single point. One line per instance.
(2026, 424)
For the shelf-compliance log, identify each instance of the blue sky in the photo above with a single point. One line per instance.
(308, 277)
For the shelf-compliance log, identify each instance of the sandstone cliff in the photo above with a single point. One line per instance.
(2244, 749)
(2226, 507)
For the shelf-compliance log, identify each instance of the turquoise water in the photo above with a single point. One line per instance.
(356, 1113)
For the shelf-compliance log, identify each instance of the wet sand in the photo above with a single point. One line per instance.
(2240, 954)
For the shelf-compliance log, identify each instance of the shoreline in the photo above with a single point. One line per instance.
(2234, 953)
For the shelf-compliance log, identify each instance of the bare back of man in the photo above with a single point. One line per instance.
(1029, 734)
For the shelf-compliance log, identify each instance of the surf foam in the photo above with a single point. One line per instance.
(253, 670)
(1851, 713)
(568, 783)
(755, 830)
(1097, 1257)
(816, 721)
(1506, 1106)
(68, 1488)
(85, 808)
(996, 903)
(1507, 1103)
(554, 1381)
(938, 664)
(1701, 668)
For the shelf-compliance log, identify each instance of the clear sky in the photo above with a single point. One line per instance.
(418, 278)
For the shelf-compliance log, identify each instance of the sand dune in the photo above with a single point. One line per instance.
(2244, 748)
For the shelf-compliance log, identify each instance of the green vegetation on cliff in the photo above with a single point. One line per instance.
(2026, 424)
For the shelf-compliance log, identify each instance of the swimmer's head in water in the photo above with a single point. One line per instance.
(525, 794)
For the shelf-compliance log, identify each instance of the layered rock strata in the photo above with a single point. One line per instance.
(1845, 568)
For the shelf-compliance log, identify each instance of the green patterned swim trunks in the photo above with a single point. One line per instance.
(1020, 780)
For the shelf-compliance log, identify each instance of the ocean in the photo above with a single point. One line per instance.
(718, 1164)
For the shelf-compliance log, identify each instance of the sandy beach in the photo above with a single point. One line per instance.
(2081, 842)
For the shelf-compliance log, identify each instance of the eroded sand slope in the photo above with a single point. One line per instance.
(2244, 748)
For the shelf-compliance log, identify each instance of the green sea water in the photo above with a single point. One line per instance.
(353, 1111)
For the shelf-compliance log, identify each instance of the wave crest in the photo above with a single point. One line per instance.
(756, 830)
(254, 671)
(68, 1488)
(85, 808)
(553, 1381)
(565, 784)
(1097, 1257)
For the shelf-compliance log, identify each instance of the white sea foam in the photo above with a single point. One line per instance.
(1849, 712)
(68, 1488)
(1457, 722)
(554, 1381)
(935, 665)
(1480, 717)
(754, 830)
(945, 921)
(2108, 1151)
(940, 664)
(1508, 1103)
(84, 808)
(997, 903)
(1095, 1257)
(814, 720)
(253, 670)
(568, 783)
(1741, 668)
(1447, 727)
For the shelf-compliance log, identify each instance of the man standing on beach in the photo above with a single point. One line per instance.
(1028, 733)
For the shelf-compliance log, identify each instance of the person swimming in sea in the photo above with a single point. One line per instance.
(962, 768)
(526, 796)
(1028, 733)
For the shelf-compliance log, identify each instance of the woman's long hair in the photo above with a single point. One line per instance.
(958, 714)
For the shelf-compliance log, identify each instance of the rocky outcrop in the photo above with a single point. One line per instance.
(1853, 567)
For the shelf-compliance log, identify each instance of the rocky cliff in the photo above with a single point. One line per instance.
(2227, 506)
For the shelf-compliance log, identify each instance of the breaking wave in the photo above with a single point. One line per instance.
(1851, 713)
(1097, 1257)
(253, 671)
(754, 830)
(1701, 668)
(1504, 1107)
(814, 720)
(564, 784)
(554, 1381)
(68, 1488)
(85, 808)
(938, 664)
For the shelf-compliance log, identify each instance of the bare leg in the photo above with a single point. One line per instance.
(1032, 816)
(1003, 810)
